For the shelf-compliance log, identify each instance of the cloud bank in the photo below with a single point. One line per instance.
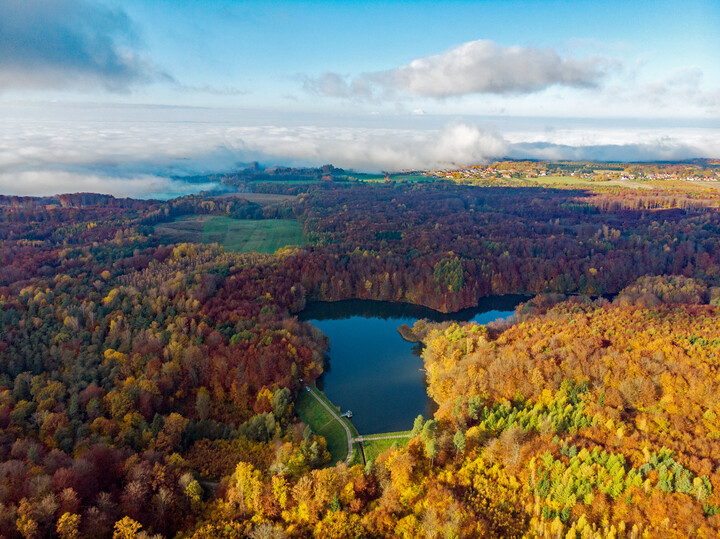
(49, 44)
(477, 67)
(56, 182)
(138, 158)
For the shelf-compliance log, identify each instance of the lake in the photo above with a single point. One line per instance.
(372, 370)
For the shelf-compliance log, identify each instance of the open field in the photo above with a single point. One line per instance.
(562, 180)
(244, 236)
(582, 182)
(186, 229)
(380, 178)
(679, 185)
(240, 235)
(323, 423)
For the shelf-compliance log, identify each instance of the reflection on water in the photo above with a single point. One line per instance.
(372, 370)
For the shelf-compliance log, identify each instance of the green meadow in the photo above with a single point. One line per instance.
(244, 236)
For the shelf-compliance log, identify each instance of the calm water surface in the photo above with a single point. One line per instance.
(372, 370)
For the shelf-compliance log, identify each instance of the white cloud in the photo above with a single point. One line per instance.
(133, 149)
(682, 85)
(615, 144)
(336, 85)
(477, 67)
(48, 182)
(682, 92)
(137, 157)
(367, 148)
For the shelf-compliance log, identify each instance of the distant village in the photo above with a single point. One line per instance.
(704, 171)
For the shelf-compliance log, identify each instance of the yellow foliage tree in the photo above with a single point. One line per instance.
(126, 528)
(67, 526)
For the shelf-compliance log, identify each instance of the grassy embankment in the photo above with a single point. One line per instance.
(323, 423)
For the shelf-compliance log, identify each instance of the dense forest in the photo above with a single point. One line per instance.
(148, 388)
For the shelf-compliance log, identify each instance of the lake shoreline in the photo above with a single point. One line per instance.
(371, 369)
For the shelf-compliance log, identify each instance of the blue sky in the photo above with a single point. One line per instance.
(262, 47)
(100, 93)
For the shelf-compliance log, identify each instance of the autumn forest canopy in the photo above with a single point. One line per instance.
(151, 366)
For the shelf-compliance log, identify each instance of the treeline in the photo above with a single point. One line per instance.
(445, 246)
(233, 207)
(256, 173)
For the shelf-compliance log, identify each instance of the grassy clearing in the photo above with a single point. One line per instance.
(239, 235)
(244, 236)
(563, 180)
(323, 423)
(186, 229)
(373, 448)
(380, 178)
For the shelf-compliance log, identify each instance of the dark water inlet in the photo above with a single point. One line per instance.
(372, 370)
